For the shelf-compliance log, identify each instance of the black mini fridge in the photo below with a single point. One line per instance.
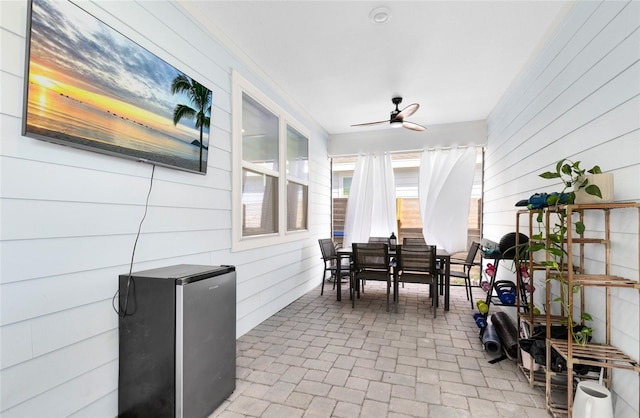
(177, 341)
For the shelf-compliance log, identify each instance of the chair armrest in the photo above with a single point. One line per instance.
(463, 262)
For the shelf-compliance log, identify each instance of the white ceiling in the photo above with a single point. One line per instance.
(455, 58)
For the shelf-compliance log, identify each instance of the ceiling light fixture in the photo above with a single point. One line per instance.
(380, 15)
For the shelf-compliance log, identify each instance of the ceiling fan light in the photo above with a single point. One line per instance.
(396, 123)
(380, 15)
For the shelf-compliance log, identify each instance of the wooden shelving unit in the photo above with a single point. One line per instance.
(560, 387)
(603, 355)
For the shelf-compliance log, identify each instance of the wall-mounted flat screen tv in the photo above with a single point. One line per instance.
(90, 87)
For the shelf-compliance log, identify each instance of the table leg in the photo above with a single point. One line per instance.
(353, 283)
(447, 280)
(339, 276)
(435, 295)
(396, 288)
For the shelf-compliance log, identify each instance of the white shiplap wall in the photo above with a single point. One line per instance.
(579, 99)
(69, 219)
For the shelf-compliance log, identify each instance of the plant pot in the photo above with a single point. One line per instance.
(604, 181)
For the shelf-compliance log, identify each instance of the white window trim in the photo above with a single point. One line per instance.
(239, 243)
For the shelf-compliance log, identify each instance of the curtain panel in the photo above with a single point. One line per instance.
(371, 208)
(444, 192)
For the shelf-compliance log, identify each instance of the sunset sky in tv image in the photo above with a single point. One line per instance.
(74, 54)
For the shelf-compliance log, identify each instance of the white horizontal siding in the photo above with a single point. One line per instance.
(22, 382)
(579, 99)
(74, 396)
(69, 219)
(16, 344)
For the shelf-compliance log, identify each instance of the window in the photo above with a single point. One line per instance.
(297, 179)
(346, 186)
(271, 171)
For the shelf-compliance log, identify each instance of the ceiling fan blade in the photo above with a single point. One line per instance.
(372, 123)
(413, 126)
(408, 111)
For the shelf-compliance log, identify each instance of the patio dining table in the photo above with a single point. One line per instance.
(441, 255)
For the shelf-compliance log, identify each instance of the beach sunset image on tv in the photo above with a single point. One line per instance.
(89, 86)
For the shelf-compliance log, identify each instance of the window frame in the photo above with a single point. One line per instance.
(240, 86)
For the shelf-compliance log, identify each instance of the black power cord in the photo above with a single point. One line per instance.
(120, 310)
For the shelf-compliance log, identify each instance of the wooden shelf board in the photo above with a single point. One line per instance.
(599, 355)
(541, 319)
(604, 280)
(535, 266)
(604, 206)
(590, 241)
(558, 412)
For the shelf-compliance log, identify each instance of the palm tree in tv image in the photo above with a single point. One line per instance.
(200, 97)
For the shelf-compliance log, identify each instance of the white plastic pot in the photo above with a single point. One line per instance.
(604, 181)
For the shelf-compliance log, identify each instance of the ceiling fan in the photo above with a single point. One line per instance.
(397, 117)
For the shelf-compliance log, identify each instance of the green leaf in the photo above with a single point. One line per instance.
(580, 228)
(549, 175)
(556, 251)
(566, 169)
(583, 184)
(539, 218)
(571, 198)
(557, 238)
(580, 338)
(535, 247)
(558, 299)
(595, 170)
(586, 317)
(593, 190)
(552, 199)
(559, 166)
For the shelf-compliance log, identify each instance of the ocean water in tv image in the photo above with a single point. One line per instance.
(89, 86)
(73, 120)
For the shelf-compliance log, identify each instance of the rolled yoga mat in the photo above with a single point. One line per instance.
(491, 341)
(507, 332)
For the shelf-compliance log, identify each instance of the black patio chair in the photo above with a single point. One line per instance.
(330, 258)
(467, 264)
(417, 264)
(371, 261)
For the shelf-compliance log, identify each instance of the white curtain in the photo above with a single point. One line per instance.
(444, 190)
(371, 208)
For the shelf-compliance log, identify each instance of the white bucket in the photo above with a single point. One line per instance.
(527, 360)
(592, 400)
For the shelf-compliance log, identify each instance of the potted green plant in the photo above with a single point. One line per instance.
(574, 180)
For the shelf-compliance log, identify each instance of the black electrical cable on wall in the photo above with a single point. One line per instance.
(122, 310)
